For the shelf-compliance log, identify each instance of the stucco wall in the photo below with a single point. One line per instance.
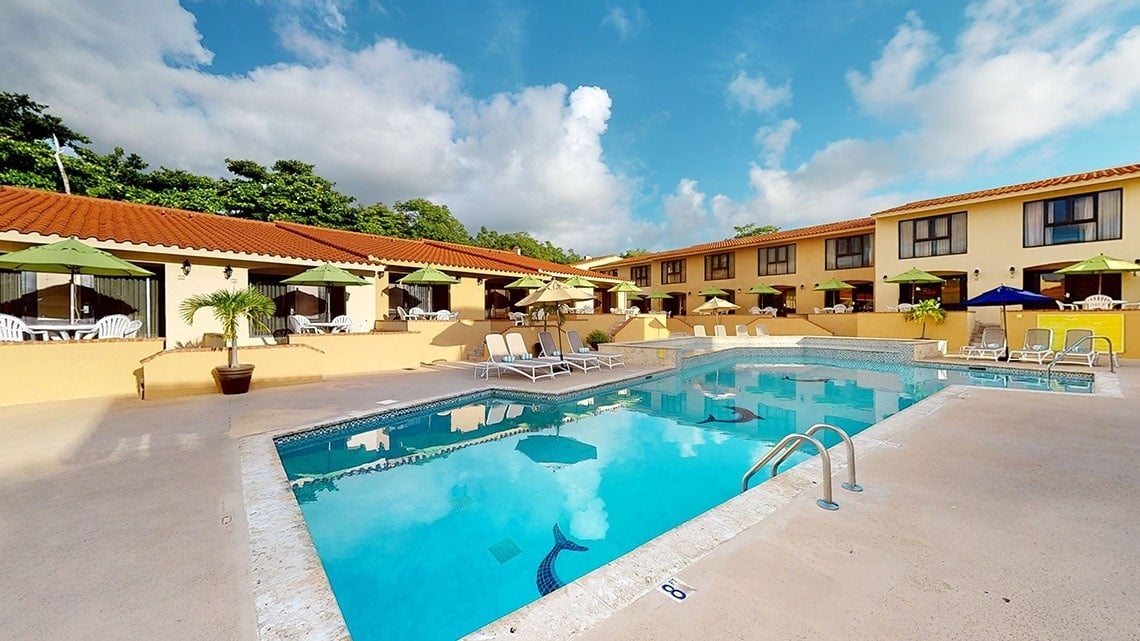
(187, 372)
(40, 371)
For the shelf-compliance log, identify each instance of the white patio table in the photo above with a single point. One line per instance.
(62, 329)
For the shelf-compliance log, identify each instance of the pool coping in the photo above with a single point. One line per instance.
(294, 600)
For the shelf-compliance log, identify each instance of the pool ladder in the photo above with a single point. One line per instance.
(791, 443)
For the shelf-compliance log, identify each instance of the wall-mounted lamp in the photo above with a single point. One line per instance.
(977, 273)
(801, 285)
(1012, 270)
(478, 281)
(884, 276)
(228, 272)
(186, 267)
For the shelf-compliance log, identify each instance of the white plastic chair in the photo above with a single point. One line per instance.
(113, 326)
(769, 311)
(1064, 306)
(905, 308)
(1097, 301)
(755, 311)
(133, 328)
(445, 315)
(816, 310)
(342, 324)
(15, 329)
(518, 318)
(415, 313)
(299, 324)
(840, 309)
(403, 313)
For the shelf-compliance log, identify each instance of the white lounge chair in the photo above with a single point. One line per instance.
(15, 329)
(993, 345)
(1036, 348)
(1081, 353)
(608, 359)
(584, 362)
(720, 330)
(741, 329)
(761, 330)
(699, 330)
(113, 326)
(517, 347)
(498, 354)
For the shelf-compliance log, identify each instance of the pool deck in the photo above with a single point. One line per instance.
(997, 514)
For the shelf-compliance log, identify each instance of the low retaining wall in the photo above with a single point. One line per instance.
(39, 371)
(188, 372)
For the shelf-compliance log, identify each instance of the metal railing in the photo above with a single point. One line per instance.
(1065, 352)
(790, 443)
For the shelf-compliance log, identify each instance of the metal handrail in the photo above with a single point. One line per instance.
(1069, 349)
(786, 443)
(851, 484)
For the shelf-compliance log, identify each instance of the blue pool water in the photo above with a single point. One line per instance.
(432, 524)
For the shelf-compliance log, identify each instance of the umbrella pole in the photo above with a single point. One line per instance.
(71, 316)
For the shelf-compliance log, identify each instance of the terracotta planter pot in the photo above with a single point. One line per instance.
(234, 380)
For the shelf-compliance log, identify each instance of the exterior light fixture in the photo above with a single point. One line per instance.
(228, 272)
(977, 273)
(186, 267)
(884, 276)
(1011, 271)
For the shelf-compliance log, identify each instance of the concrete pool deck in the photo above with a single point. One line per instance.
(125, 520)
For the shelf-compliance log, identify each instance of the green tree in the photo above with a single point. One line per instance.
(289, 191)
(435, 222)
(630, 253)
(752, 229)
(27, 154)
(379, 219)
(21, 118)
(528, 245)
(927, 310)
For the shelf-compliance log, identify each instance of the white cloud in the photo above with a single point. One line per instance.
(385, 122)
(774, 140)
(1020, 73)
(755, 94)
(625, 23)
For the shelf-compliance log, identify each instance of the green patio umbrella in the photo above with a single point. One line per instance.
(428, 276)
(577, 282)
(763, 290)
(327, 276)
(914, 276)
(712, 291)
(658, 296)
(526, 282)
(625, 287)
(70, 257)
(833, 285)
(1100, 265)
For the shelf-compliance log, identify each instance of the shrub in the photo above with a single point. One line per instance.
(597, 336)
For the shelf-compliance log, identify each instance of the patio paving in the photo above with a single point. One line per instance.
(124, 519)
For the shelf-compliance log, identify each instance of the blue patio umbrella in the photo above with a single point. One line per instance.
(1003, 295)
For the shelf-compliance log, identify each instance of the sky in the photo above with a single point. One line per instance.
(600, 126)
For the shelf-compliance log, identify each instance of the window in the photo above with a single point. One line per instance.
(933, 236)
(849, 252)
(609, 272)
(776, 260)
(719, 266)
(640, 275)
(673, 271)
(1081, 218)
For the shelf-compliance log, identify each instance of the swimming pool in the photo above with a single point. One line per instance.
(432, 523)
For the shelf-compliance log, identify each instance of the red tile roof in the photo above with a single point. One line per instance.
(856, 224)
(48, 213)
(1060, 181)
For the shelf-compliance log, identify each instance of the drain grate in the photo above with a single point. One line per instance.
(504, 550)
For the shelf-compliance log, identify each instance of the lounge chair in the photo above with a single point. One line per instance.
(993, 345)
(498, 354)
(741, 330)
(699, 330)
(584, 362)
(1081, 353)
(761, 330)
(1036, 348)
(15, 329)
(720, 330)
(113, 326)
(610, 360)
(517, 347)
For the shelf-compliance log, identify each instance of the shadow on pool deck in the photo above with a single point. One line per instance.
(124, 520)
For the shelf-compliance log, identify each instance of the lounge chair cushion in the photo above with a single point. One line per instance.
(583, 350)
(507, 359)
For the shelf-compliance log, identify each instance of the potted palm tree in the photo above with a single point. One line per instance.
(229, 308)
(927, 310)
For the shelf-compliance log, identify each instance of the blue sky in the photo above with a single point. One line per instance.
(601, 125)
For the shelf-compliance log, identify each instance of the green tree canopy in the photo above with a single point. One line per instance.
(429, 220)
(630, 253)
(752, 229)
(528, 245)
(289, 191)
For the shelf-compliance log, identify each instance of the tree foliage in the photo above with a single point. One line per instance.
(288, 190)
(752, 229)
(630, 253)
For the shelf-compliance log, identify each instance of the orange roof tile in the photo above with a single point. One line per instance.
(750, 241)
(1099, 174)
(47, 213)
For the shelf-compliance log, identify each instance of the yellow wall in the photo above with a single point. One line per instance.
(810, 263)
(781, 326)
(994, 233)
(1023, 320)
(186, 372)
(35, 372)
(468, 297)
